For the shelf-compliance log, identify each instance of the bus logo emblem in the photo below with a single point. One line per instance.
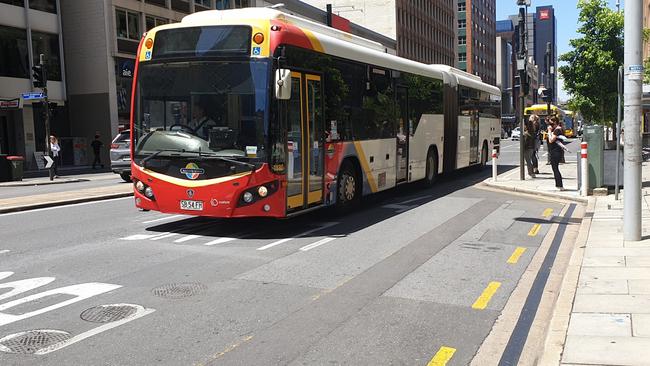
(192, 171)
(190, 193)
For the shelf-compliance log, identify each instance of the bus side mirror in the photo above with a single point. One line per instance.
(283, 84)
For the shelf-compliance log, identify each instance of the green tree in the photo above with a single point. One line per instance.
(646, 62)
(591, 73)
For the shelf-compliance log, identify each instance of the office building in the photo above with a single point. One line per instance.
(477, 38)
(506, 67)
(29, 28)
(546, 34)
(425, 30)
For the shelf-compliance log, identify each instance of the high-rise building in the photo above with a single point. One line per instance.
(425, 30)
(28, 29)
(505, 66)
(546, 36)
(477, 38)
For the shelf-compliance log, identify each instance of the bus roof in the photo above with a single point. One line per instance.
(541, 109)
(334, 42)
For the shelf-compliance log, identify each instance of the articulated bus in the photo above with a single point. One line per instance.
(255, 112)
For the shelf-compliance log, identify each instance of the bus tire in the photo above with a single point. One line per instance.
(348, 187)
(126, 176)
(431, 172)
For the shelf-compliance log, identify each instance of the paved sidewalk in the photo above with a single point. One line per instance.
(98, 186)
(602, 315)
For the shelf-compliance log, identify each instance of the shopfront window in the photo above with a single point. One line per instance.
(13, 2)
(14, 59)
(48, 45)
(124, 78)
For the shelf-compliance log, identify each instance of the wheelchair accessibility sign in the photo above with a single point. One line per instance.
(257, 51)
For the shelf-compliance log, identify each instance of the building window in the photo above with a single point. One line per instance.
(462, 6)
(48, 45)
(203, 3)
(161, 3)
(462, 40)
(154, 21)
(13, 2)
(127, 24)
(181, 5)
(462, 23)
(232, 4)
(43, 5)
(462, 57)
(14, 60)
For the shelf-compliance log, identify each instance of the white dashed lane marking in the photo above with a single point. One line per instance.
(4, 251)
(282, 241)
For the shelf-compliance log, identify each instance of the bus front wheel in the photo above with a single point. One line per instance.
(348, 186)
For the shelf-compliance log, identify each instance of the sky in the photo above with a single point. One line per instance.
(566, 16)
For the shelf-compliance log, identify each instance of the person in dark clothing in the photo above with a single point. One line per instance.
(529, 148)
(555, 150)
(538, 142)
(97, 145)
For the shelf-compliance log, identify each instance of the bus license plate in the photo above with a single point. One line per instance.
(191, 205)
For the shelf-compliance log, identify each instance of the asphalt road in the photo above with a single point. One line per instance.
(406, 278)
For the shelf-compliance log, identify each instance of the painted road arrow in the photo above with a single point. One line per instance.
(48, 161)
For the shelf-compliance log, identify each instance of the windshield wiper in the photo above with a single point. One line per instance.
(143, 162)
(236, 162)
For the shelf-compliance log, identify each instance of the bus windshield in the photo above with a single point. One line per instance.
(218, 108)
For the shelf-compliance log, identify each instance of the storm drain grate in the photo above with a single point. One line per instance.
(31, 341)
(108, 313)
(179, 290)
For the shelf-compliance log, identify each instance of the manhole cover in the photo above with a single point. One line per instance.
(109, 313)
(179, 290)
(31, 341)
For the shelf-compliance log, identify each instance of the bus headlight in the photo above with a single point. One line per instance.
(139, 186)
(148, 192)
(262, 191)
(248, 197)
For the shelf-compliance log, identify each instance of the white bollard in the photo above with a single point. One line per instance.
(494, 165)
(584, 169)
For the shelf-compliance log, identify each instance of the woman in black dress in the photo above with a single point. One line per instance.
(555, 150)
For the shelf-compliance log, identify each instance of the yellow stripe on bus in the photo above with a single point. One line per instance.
(365, 166)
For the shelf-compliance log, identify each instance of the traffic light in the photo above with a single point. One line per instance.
(39, 75)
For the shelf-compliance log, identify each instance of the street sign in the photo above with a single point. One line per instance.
(32, 96)
(48, 161)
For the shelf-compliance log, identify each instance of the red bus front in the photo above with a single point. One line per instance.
(200, 126)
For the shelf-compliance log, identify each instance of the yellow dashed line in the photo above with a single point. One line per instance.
(443, 356)
(483, 300)
(534, 230)
(516, 254)
(547, 213)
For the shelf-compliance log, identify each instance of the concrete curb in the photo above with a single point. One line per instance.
(45, 183)
(65, 202)
(552, 195)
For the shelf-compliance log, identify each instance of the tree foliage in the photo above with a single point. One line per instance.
(591, 73)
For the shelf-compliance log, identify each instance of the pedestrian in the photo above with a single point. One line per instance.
(529, 147)
(56, 149)
(538, 142)
(97, 145)
(555, 150)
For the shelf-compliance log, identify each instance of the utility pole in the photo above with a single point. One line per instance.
(632, 115)
(40, 81)
(522, 67)
(547, 60)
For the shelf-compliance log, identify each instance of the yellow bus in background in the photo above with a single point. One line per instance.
(541, 110)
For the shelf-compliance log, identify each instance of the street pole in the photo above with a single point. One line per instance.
(618, 132)
(548, 77)
(46, 105)
(523, 80)
(632, 115)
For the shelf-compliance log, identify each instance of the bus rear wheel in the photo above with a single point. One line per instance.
(348, 193)
(432, 168)
(484, 156)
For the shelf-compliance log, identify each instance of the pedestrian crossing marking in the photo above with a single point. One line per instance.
(443, 356)
(534, 230)
(483, 300)
(316, 244)
(186, 238)
(282, 241)
(516, 254)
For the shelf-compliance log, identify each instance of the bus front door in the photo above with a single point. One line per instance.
(305, 147)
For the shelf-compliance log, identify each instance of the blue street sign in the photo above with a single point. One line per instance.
(32, 96)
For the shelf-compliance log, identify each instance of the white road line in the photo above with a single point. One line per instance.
(140, 312)
(282, 241)
(142, 236)
(220, 241)
(4, 251)
(64, 206)
(163, 219)
(186, 238)
(317, 244)
(164, 236)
